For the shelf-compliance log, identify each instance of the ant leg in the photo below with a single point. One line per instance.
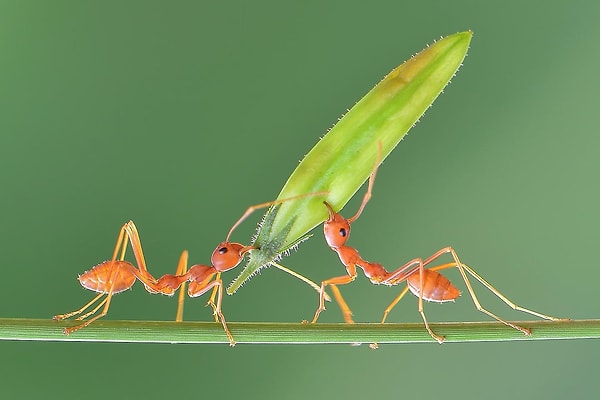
(439, 339)
(219, 283)
(505, 299)
(301, 277)
(130, 233)
(340, 280)
(134, 238)
(400, 274)
(199, 290)
(389, 308)
(393, 304)
(105, 302)
(60, 317)
(462, 268)
(144, 276)
(211, 300)
(478, 305)
(346, 312)
(92, 312)
(181, 270)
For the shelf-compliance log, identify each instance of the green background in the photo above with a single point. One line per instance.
(179, 115)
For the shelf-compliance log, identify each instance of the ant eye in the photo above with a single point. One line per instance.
(223, 250)
(342, 232)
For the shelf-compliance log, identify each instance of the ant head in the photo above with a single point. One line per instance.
(336, 228)
(228, 255)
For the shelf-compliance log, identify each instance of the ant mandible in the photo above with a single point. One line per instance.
(425, 283)
(117, 275)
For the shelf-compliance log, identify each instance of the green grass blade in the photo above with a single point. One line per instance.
(292, 333)
(343, 159)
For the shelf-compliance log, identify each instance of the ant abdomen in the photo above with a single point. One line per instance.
(436, 287)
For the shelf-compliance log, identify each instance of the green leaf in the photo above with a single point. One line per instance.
(343, 159)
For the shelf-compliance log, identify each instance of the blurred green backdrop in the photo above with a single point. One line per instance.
(180, 114)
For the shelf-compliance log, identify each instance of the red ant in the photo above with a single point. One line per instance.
(425, 283)
(117, 275)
